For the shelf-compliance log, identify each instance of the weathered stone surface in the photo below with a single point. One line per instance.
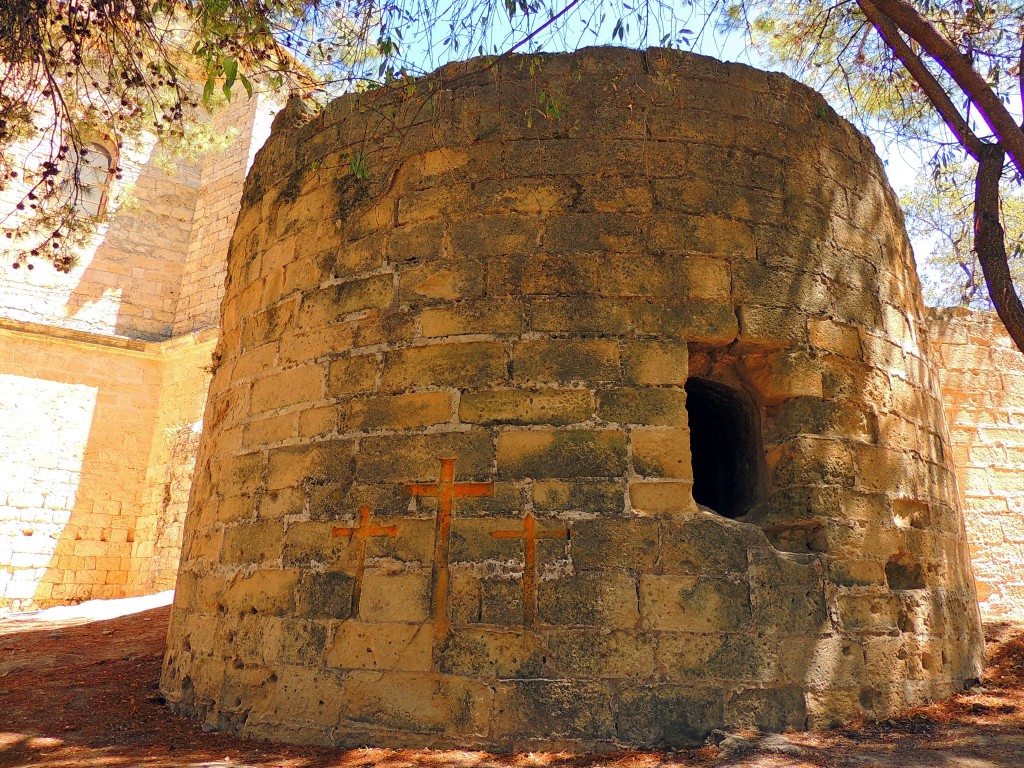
(473, 364)
(490, 653)
(693, 604)
(566, 361)
(460, 469)
(568, 709)
(556, 407)
(326, 595)
(668, 715)
(359, 645)
(616, 544)
(570, 453)
(420, 703)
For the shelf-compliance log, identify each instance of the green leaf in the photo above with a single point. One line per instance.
(230, 65)
(246, 84)
(208, 90)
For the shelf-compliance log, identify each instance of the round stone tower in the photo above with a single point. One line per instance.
(570, 401)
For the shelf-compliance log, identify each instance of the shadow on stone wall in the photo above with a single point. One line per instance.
(75, 501)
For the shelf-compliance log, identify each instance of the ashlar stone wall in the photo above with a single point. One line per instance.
(983, 393)
(101, 368)
(592, 408)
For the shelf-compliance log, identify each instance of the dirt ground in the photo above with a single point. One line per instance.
(77, 693)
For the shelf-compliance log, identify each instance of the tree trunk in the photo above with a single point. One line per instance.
(990, 243)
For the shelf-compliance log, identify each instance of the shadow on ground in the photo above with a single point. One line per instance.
(76, 693)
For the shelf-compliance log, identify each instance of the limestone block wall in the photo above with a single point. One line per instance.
(81, 439)
(185, 377)
(590, 408)
(75, 444)
(219, 192)
(129, 273)
(983, 394)
(99, 426)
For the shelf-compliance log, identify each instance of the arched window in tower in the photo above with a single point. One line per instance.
(95, 172)
(725, 447)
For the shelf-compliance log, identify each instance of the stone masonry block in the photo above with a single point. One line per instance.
(566, 361)
(705, 544)
(626, 543)
(535, 406)
(417, 702)
(584, 653)
(494, 234)
(580, 315)
(333, 304)
(435, 281)
(395, 597)
(471, 364)
(693, 604)
(597, 599)
(416, 409)
(700, 321)
(325, 595)
(662, 453)
(501, 601)
(688, 656)
(285, 388)
(559, 707)
(655, 362)
(403, 647)
(552, 453)
(252, 542)
(840, 338)
(299, 465)
(584, 495)
(353, 375)
(413, 542)
(661, 716)
(653, 498)
(494, 653)
(302, 642)
(267, 591)
(472, 317)
(767, 709)
(401, 458)
(649, 406)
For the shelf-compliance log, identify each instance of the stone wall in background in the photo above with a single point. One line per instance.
(99, 404)
(593, 407)
(185, 378)
(982, 376)
(216, 207)
(129, 273)
(82, 434)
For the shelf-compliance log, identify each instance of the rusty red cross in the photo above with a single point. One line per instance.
(446, 490)
(362, 531)
(529, 534)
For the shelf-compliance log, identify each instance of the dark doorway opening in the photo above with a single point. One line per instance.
(725, 447)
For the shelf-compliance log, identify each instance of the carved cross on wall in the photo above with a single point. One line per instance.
(529, 534)
(362, 532)
(445, 489)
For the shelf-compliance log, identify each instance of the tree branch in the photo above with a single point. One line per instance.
(1020, 72)
(999, 119)
(929, 84)
(990, 244)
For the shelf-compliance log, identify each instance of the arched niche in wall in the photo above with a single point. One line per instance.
(726, 447)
